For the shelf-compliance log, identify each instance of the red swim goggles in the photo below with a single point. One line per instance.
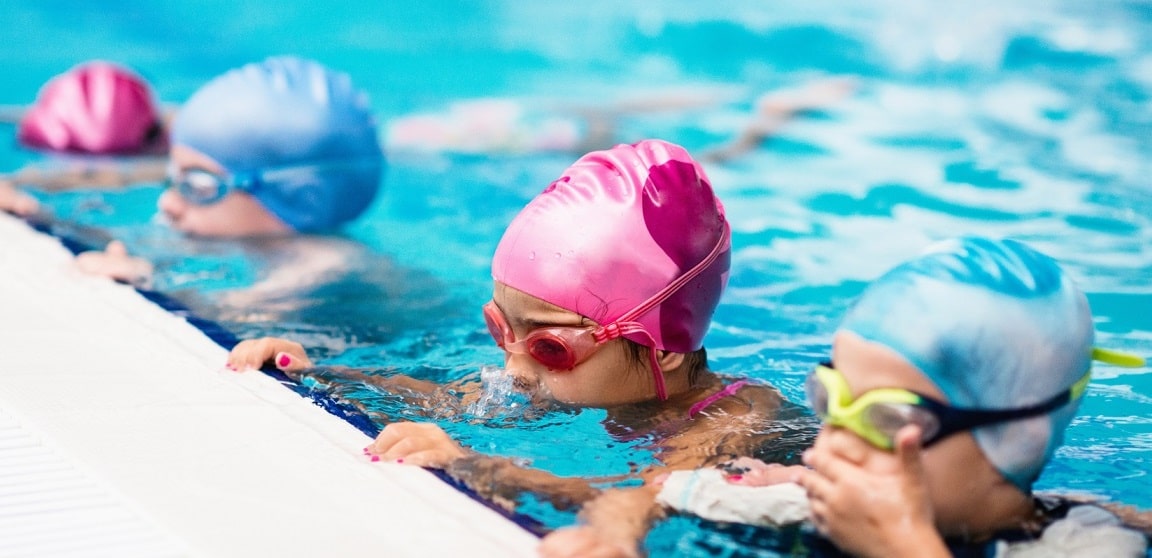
(557, 347)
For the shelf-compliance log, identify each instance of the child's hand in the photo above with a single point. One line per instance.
(583, 542)
(15, 201)
(252, 354)
(871, 502)
(747, 471)
(115, 263)
(415, 443)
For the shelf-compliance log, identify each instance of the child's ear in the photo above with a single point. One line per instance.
(669, 360)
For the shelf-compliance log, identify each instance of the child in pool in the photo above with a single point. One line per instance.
(93, 109)
(604, 287)
(951, 382)
(261, 156)
(240, 167)
(104, 109)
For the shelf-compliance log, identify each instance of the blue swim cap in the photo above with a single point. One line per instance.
(290, 113)
(995, 325)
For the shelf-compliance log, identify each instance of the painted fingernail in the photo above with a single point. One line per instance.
(365, 450)
(285, 360)
(401, 460)
(375, 458)
(735, 478)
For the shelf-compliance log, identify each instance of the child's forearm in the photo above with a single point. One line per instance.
(502, 480)
(624, 515)
(101, 174)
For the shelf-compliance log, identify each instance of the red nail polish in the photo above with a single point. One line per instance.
(285, 360)
(401, 460)
(375, 458)
(735, 478)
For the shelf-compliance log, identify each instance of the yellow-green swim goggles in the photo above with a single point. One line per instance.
(878, 414)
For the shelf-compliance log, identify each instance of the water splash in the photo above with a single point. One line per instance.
(499, 394)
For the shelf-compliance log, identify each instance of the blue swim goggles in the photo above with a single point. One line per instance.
(877, 415)
(203, 187)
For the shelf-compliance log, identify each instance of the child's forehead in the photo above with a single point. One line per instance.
(520, 308)
(868, 365)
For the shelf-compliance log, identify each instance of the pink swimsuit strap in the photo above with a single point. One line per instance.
(728, 391)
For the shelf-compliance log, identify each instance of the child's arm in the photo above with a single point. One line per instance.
(90, 174)
(497, 479)
(775, 109)
(614, 525)
(291, 359)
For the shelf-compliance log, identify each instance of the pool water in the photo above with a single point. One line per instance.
(1029, 119)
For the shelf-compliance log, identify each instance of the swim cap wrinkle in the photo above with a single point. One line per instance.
(615, 229)
(995, 325)
(96, 107)
(289, 112)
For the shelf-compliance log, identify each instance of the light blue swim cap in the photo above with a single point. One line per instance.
(287, 113)
(995, 325)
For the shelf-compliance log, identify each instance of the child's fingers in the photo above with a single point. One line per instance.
(817, 486)
(292, 361)
(393, 434)
(435, 458)
(417, 443)
(908, 448)
(116, 249)
(252, 354)
(772, 473)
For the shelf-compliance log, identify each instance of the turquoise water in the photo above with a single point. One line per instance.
(1028, 119)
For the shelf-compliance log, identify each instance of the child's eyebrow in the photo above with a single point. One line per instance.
(532, 324)
(535, 324)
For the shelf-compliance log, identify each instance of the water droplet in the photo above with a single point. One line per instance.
(532, 255)
(558, 255)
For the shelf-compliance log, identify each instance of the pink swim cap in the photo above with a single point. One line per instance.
(631, 237)
(96, 107)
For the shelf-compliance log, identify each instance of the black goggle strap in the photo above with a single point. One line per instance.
(956, 419)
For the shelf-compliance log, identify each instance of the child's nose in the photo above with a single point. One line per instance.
(171, 204)
(524, 375)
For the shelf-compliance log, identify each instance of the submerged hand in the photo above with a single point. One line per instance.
(416, 443)
(871, 502)
(252, 354)
(114, 263)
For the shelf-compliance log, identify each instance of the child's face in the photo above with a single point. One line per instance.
(958, 476)
(608, 377)
(237, 214)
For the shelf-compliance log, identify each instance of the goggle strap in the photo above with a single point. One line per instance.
(1117, 358)
(679, 282)
(620, 329)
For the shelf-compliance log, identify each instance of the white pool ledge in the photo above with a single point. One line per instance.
(121, 434)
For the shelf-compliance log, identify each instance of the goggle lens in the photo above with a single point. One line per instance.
(199, 187)
(878, 422)
(888, 418)
(551, 352)
(548, 346)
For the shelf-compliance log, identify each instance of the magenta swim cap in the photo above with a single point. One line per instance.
(96, 107)
(631, 237)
